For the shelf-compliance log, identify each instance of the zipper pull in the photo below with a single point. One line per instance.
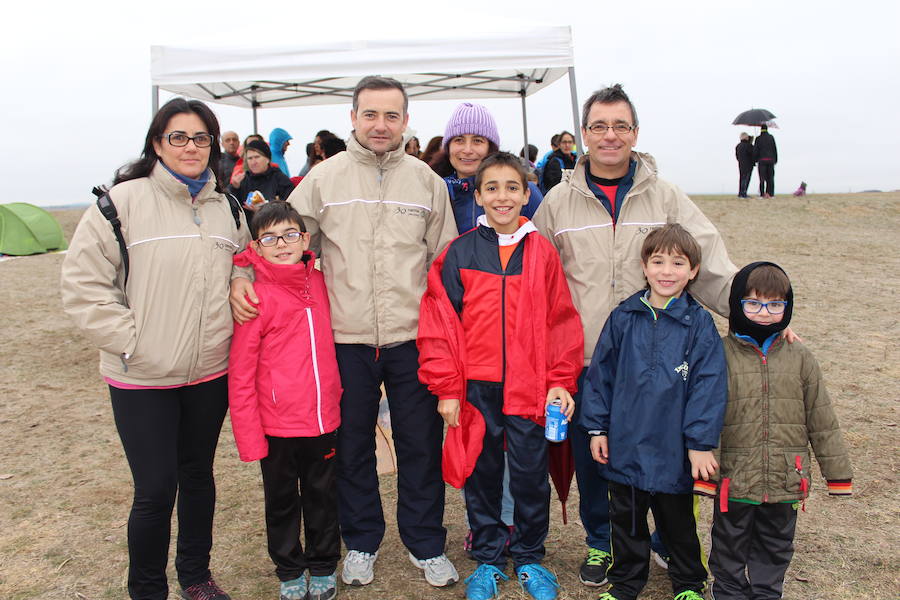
(197, 220)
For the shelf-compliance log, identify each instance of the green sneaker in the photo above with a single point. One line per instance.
(593, 570)
(688, 595)
(606, 596)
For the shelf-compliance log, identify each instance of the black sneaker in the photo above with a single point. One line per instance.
(593, 570)
(208, 590)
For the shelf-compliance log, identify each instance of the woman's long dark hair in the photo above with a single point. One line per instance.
(143, 166)
(440, 163)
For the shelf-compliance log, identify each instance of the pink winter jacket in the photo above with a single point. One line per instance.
(283, 378)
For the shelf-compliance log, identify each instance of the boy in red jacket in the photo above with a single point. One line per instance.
(284, 394)
(499, 339)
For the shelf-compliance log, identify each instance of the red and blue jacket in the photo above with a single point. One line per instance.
(482, 322)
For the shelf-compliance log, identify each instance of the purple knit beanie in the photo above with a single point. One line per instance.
(474, 119)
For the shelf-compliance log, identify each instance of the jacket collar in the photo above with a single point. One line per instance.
(507, 239)
(287, 275)
(173, 188)
(365, 156)
(680, 309)
(644, 174)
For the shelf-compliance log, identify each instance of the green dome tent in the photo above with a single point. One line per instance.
(28, 229)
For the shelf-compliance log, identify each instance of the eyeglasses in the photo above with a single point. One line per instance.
(775, 307)
(201, 140)
(291, 237)
(600, 128)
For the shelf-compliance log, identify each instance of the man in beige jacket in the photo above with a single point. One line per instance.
(378, 217)
(597, 218)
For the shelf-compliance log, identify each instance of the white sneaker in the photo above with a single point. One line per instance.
(359, 568)
(439, 571)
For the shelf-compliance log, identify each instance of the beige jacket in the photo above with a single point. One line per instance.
(173, 324)
(377, 223)
(603, 264)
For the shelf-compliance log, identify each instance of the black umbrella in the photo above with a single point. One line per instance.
(754, 117)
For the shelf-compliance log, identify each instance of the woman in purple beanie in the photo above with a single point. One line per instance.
(470, 136)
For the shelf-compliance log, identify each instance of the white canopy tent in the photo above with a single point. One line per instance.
(469, 66)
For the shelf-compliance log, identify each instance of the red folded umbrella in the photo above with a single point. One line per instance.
(562, 468)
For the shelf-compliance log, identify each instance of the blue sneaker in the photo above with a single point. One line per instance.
(537, 581)
(482, 584)
(295, 589)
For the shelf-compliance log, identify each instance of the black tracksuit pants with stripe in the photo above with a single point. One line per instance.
(755, 537)
(311, 463)
(676, 522)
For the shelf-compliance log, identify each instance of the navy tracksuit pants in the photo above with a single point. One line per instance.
(417, 431)
(528, 483)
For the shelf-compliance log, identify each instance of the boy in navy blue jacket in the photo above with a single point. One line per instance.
(654, 402)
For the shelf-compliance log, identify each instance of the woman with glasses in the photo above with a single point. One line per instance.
(470, 136)
(563, 157)
(263, 182)
(163, 327)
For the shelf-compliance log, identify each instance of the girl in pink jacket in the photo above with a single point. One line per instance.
(284, 394)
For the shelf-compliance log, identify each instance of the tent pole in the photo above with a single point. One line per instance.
(254, 119)
(525, 127)
(575, 120)
(154, 100)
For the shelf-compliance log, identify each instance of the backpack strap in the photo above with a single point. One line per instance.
(108, 210)
(236, 209)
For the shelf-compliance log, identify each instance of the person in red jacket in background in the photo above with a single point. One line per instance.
(499, 339)
(284, 392)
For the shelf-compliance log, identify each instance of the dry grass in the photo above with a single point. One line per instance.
(65, 487)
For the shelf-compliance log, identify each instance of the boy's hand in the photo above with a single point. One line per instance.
(703, 464)
(567, 404)
(449, 411)
(241, 309)
(600, 448)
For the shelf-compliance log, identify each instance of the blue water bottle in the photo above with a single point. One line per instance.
(557, 425)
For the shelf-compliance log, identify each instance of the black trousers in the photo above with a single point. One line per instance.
(311, 462)
(745, 171)
(170, 438)
(766, 178)
(528, 482)
(417, 431)
(758, 538)
(676, 522)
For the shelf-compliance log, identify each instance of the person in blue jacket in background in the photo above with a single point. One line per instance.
(279, 140)
(470, 136)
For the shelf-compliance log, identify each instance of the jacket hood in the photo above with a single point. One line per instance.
(738, 321)
(277, 138)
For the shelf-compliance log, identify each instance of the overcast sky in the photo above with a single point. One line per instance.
(76, 82)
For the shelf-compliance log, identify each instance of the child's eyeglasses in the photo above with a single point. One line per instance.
(775, 307)
(291, 237)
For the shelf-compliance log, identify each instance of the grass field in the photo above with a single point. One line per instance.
(65, 488)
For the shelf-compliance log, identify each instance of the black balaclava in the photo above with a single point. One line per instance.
(738, 321)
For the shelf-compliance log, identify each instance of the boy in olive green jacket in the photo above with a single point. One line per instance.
(777, 407)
